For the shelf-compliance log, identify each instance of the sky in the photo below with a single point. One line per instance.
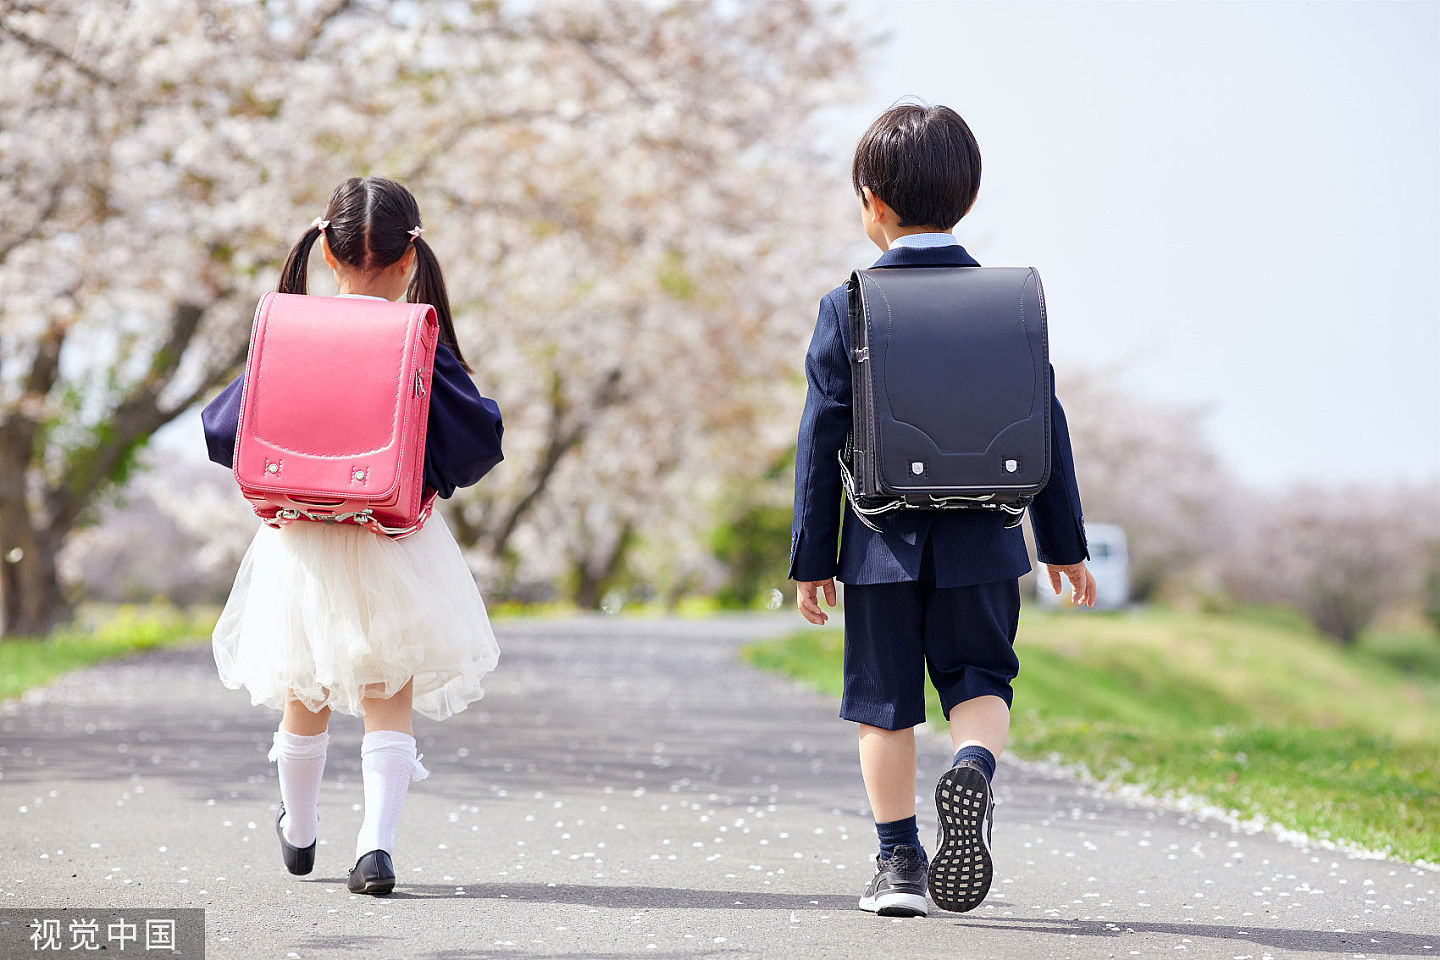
(1233, 206)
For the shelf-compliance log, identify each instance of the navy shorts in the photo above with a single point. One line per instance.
(965, 636)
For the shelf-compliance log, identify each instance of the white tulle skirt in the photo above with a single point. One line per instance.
(330, 613)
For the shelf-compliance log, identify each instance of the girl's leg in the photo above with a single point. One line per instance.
(299, 720)
(388, 762)
(390, 714)
(299, 755)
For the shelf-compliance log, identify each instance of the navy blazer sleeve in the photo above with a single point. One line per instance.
(815, 525)
(221, 419)
(1055, 514)
(463, 430)
(462, 442)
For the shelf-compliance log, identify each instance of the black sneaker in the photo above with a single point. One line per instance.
(898, 887)
(961, 870)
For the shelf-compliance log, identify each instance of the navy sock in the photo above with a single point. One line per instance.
(979, 756)
(896, 832)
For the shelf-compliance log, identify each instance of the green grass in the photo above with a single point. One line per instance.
(689, 607)
(27, 662)
(1252, 712)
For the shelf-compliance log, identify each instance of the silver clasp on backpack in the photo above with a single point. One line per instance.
(363, 517)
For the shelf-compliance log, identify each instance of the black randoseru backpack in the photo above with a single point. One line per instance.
(951, 399)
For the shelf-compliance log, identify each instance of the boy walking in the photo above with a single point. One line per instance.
(934, 590)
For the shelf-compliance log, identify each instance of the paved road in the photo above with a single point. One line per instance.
(627, 789)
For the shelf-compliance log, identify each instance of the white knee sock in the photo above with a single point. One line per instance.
(301, 764)
(388, 763)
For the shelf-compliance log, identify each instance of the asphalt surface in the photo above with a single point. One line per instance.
(628, 788)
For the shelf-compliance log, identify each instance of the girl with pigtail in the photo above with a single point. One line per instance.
(333, 617)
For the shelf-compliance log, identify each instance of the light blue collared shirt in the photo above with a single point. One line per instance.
(925, 240)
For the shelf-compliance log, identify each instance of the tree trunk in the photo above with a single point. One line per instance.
(587, 587)
(33, 528)
(563, 439)
(30, 589)
(30, 597)
(593, 579)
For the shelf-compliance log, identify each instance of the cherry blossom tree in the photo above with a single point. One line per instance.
(147, 543)
(1340, 555)
(1148, 467)
(652, 331)
(619, 192)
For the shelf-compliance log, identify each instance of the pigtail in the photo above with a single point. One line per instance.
(297, 266)
(372, 223)
(428, 286)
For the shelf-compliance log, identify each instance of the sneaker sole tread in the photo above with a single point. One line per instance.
(961, 868)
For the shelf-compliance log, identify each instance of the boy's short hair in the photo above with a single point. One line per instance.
(923, 161)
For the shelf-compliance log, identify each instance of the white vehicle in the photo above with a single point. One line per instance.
(1109, 562)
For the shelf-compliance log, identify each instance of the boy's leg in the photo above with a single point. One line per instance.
(885, 695)
(969, 646)
(970, 655)
(979, 728)
(887, 762)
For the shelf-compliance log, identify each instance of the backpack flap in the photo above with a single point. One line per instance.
(333, 388)
(952, 383)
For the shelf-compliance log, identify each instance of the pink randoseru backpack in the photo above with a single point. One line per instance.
(333, 412)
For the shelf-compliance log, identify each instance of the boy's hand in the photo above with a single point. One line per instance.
(1081, 579)
(808, 600)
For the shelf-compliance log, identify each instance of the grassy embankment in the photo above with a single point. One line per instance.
(99, 634)
(1252, 712)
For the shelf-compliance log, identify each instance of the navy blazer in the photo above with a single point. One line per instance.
(970, 546)
(462, 435)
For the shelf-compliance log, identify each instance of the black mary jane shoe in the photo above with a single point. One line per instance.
(298, 860)
(373, 873)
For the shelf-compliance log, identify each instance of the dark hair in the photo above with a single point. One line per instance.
(370, 223)
(921, 160)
